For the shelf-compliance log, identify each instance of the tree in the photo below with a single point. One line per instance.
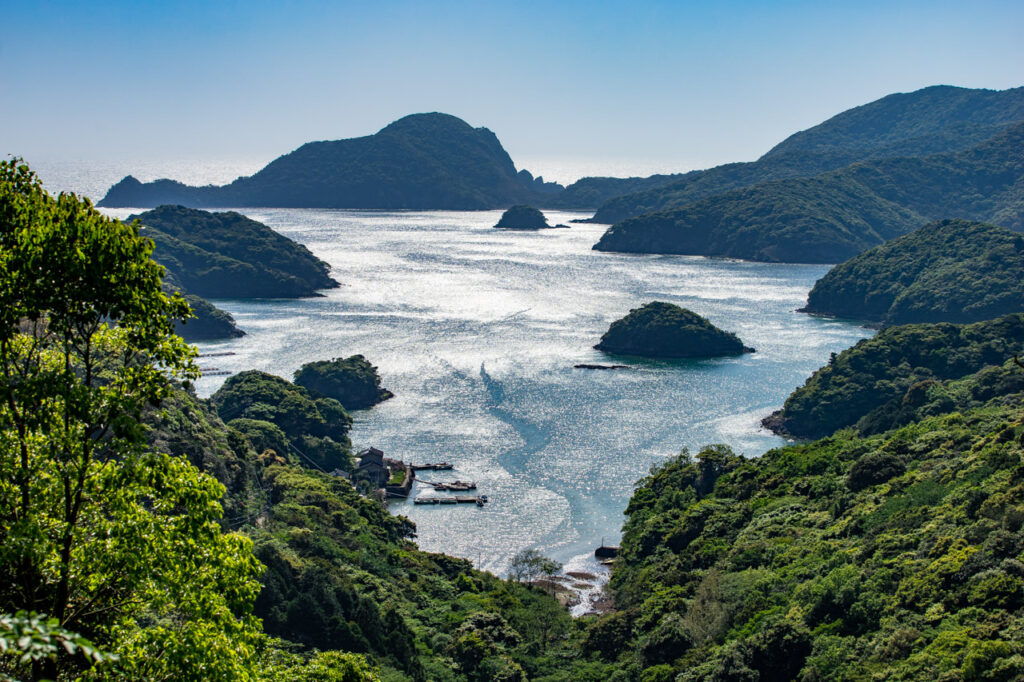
(529, 565)
(113, 542)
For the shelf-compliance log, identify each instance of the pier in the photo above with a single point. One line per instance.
(440, 466)
(478, 500)
(455, 486)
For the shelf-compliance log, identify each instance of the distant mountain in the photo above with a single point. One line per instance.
(226, 255)
(948, 271)
(423, 161)
(591, 192)
(938, 119)
(838, 214)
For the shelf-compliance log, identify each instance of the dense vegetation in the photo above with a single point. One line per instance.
(663, 330)
(836, 215)
(117, 561)
(948, 271)
(871, 382)
(934, 120)
(226, 255)
(422, 161)
(352, 381)
(207, 322)
(341, 573)
(894, 557)
(521, 217)
(275, 413)
(110, 540)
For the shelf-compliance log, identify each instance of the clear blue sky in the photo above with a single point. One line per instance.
(683, 84)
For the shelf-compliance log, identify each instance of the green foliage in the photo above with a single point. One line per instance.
(316, 428)
(423, 161)
(948, 271)
(110, 539)
(529, 565)
(226, 255)
(317, 666)
(781, 569)
(30, 639)
(838, 214)
(352, 381)
(664, 330)
(905, 373)
(933, 120)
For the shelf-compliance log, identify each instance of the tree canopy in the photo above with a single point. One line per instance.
(113, 541)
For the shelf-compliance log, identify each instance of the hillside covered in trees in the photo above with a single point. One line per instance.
(894, 557)
(226, 255)
(933, 120)
(878, 376)
(836, 215)
(422, 161)
(947, 271)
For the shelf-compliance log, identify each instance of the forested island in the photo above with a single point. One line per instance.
(664, 330)
(422, 161)
(523, 218)
(352, 381)
(226, 255)
(900, 371)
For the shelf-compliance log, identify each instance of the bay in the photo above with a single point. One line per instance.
(476, 331)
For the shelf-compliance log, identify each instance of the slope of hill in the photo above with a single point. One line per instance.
(893, 557)
(422, 161)
(938, 119)
(948, 271)
(836, 215)
(226, 255)
(342, 572)
(886, 372)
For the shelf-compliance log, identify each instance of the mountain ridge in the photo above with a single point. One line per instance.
(421, 161)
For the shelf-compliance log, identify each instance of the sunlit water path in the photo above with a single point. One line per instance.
(476, 331)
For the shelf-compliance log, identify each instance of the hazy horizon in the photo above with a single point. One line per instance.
(570, 89)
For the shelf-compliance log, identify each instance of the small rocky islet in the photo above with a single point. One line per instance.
(664, 330)
(523, 218)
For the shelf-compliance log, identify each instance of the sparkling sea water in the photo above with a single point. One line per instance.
(476, 331)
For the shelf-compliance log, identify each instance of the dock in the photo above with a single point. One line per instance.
(478, 500)
(440, 466)
(455, 486)
(214, 372)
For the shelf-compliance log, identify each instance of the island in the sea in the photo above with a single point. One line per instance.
(352, 381)
(521, 217)
(422, 161)
(664, 330)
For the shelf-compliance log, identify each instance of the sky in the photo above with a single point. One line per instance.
(570, 88)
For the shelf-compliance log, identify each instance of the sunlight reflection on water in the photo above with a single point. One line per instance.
(476, 331)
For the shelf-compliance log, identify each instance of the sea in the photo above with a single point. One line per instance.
(477, 331)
